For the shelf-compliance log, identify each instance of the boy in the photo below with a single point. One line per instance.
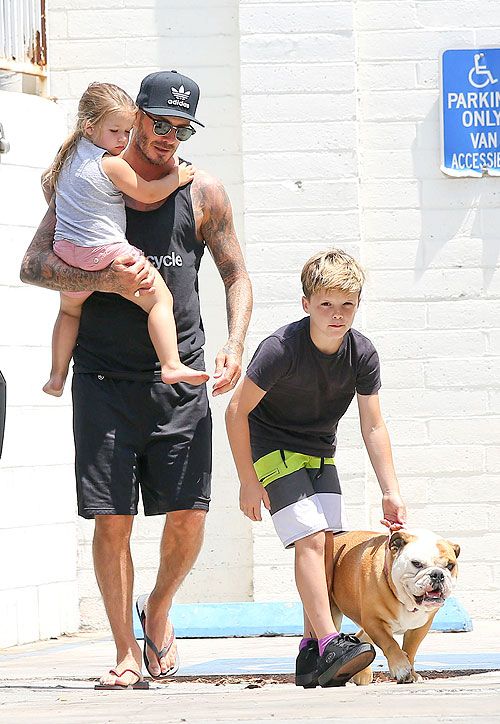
(282, 423)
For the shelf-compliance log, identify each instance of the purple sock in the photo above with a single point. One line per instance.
(325, 641)
(304, 642)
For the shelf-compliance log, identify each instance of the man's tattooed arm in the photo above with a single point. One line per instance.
(43, 268)
(217, 231)
(40, 266)
(214, 220)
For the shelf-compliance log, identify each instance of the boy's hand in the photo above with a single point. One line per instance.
(392, 526)
(394, 511)
(185, 173)
(251, 497)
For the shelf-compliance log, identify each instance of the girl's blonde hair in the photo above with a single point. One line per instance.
(98, 101)
(332, 269)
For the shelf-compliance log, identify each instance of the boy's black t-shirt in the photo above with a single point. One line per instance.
(307, 391)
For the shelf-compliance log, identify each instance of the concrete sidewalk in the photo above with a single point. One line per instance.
(241, 680)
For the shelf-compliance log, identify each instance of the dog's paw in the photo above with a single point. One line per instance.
(364, 677)
(402, 672)
(404, 677)
(410, 678)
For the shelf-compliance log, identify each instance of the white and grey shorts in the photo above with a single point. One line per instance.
(304, 492)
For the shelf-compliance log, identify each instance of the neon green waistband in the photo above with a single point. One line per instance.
(278, 464)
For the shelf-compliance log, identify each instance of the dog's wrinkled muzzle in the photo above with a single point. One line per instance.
(436, 590)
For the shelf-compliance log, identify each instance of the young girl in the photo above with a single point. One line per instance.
(88, 177)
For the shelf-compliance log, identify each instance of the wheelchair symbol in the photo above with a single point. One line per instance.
(480, 71)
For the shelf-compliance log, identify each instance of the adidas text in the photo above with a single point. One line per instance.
(177, 103)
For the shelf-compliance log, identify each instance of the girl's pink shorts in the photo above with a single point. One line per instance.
(92, 258)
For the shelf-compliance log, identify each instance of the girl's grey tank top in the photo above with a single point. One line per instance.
(89, 208)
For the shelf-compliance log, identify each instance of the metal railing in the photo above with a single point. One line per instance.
(23, 38)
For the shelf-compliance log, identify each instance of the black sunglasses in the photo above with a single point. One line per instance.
(163, 128)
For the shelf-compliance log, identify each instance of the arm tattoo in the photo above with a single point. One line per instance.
(214, 218)
(40, 266)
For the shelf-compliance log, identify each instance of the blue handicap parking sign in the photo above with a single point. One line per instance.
(470, 117)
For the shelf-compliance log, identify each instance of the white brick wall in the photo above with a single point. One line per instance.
(38, 593)
(301, 186)
(430, 245)
(322, 120)
(427, 243)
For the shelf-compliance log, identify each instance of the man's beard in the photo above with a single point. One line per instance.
(141, 142)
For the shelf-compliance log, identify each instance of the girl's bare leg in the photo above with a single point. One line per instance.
(63, 343)
(161, 326)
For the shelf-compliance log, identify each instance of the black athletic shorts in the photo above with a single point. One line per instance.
(147, 435)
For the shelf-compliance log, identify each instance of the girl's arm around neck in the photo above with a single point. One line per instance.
(148, 192)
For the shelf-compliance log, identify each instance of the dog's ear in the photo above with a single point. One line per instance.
(399, 539)
(456, 548)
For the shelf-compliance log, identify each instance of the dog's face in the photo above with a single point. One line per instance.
(423, 568)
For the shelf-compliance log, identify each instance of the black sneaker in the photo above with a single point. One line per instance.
(306, 666)
(342, 658)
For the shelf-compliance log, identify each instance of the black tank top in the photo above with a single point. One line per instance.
(113, 337)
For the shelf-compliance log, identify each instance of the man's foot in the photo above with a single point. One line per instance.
(55, 385)
(343, 657)
(160, 646)
(127, 671)
(138, 683)
(306, 665)
(180, 373)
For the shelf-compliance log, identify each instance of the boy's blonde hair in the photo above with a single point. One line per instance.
(332, 269)
(98, 101)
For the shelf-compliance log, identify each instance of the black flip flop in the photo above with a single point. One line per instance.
(140, 606)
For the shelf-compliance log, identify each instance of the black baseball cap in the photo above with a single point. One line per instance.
(169, 93)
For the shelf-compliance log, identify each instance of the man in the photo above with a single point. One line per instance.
(130, 429)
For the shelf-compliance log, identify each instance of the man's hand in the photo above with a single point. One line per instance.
(251, 497)
(129, 276)
(227, 369)
(394, 511)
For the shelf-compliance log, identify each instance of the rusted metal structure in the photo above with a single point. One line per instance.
(23, 37)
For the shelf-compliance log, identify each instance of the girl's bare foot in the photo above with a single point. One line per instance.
(55, 385)
(180, 373)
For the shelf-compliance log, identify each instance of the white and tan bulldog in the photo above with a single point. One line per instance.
(390, 585)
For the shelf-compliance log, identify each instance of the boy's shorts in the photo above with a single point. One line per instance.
(92, 258)
(304, 492)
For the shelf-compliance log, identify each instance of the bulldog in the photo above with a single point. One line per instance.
(390, 585)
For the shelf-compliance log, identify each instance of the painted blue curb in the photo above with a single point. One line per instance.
(275, 618)
(286, 665)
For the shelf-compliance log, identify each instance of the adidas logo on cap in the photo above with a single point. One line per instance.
(169, 93)
(180, 97)
(181, 93)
